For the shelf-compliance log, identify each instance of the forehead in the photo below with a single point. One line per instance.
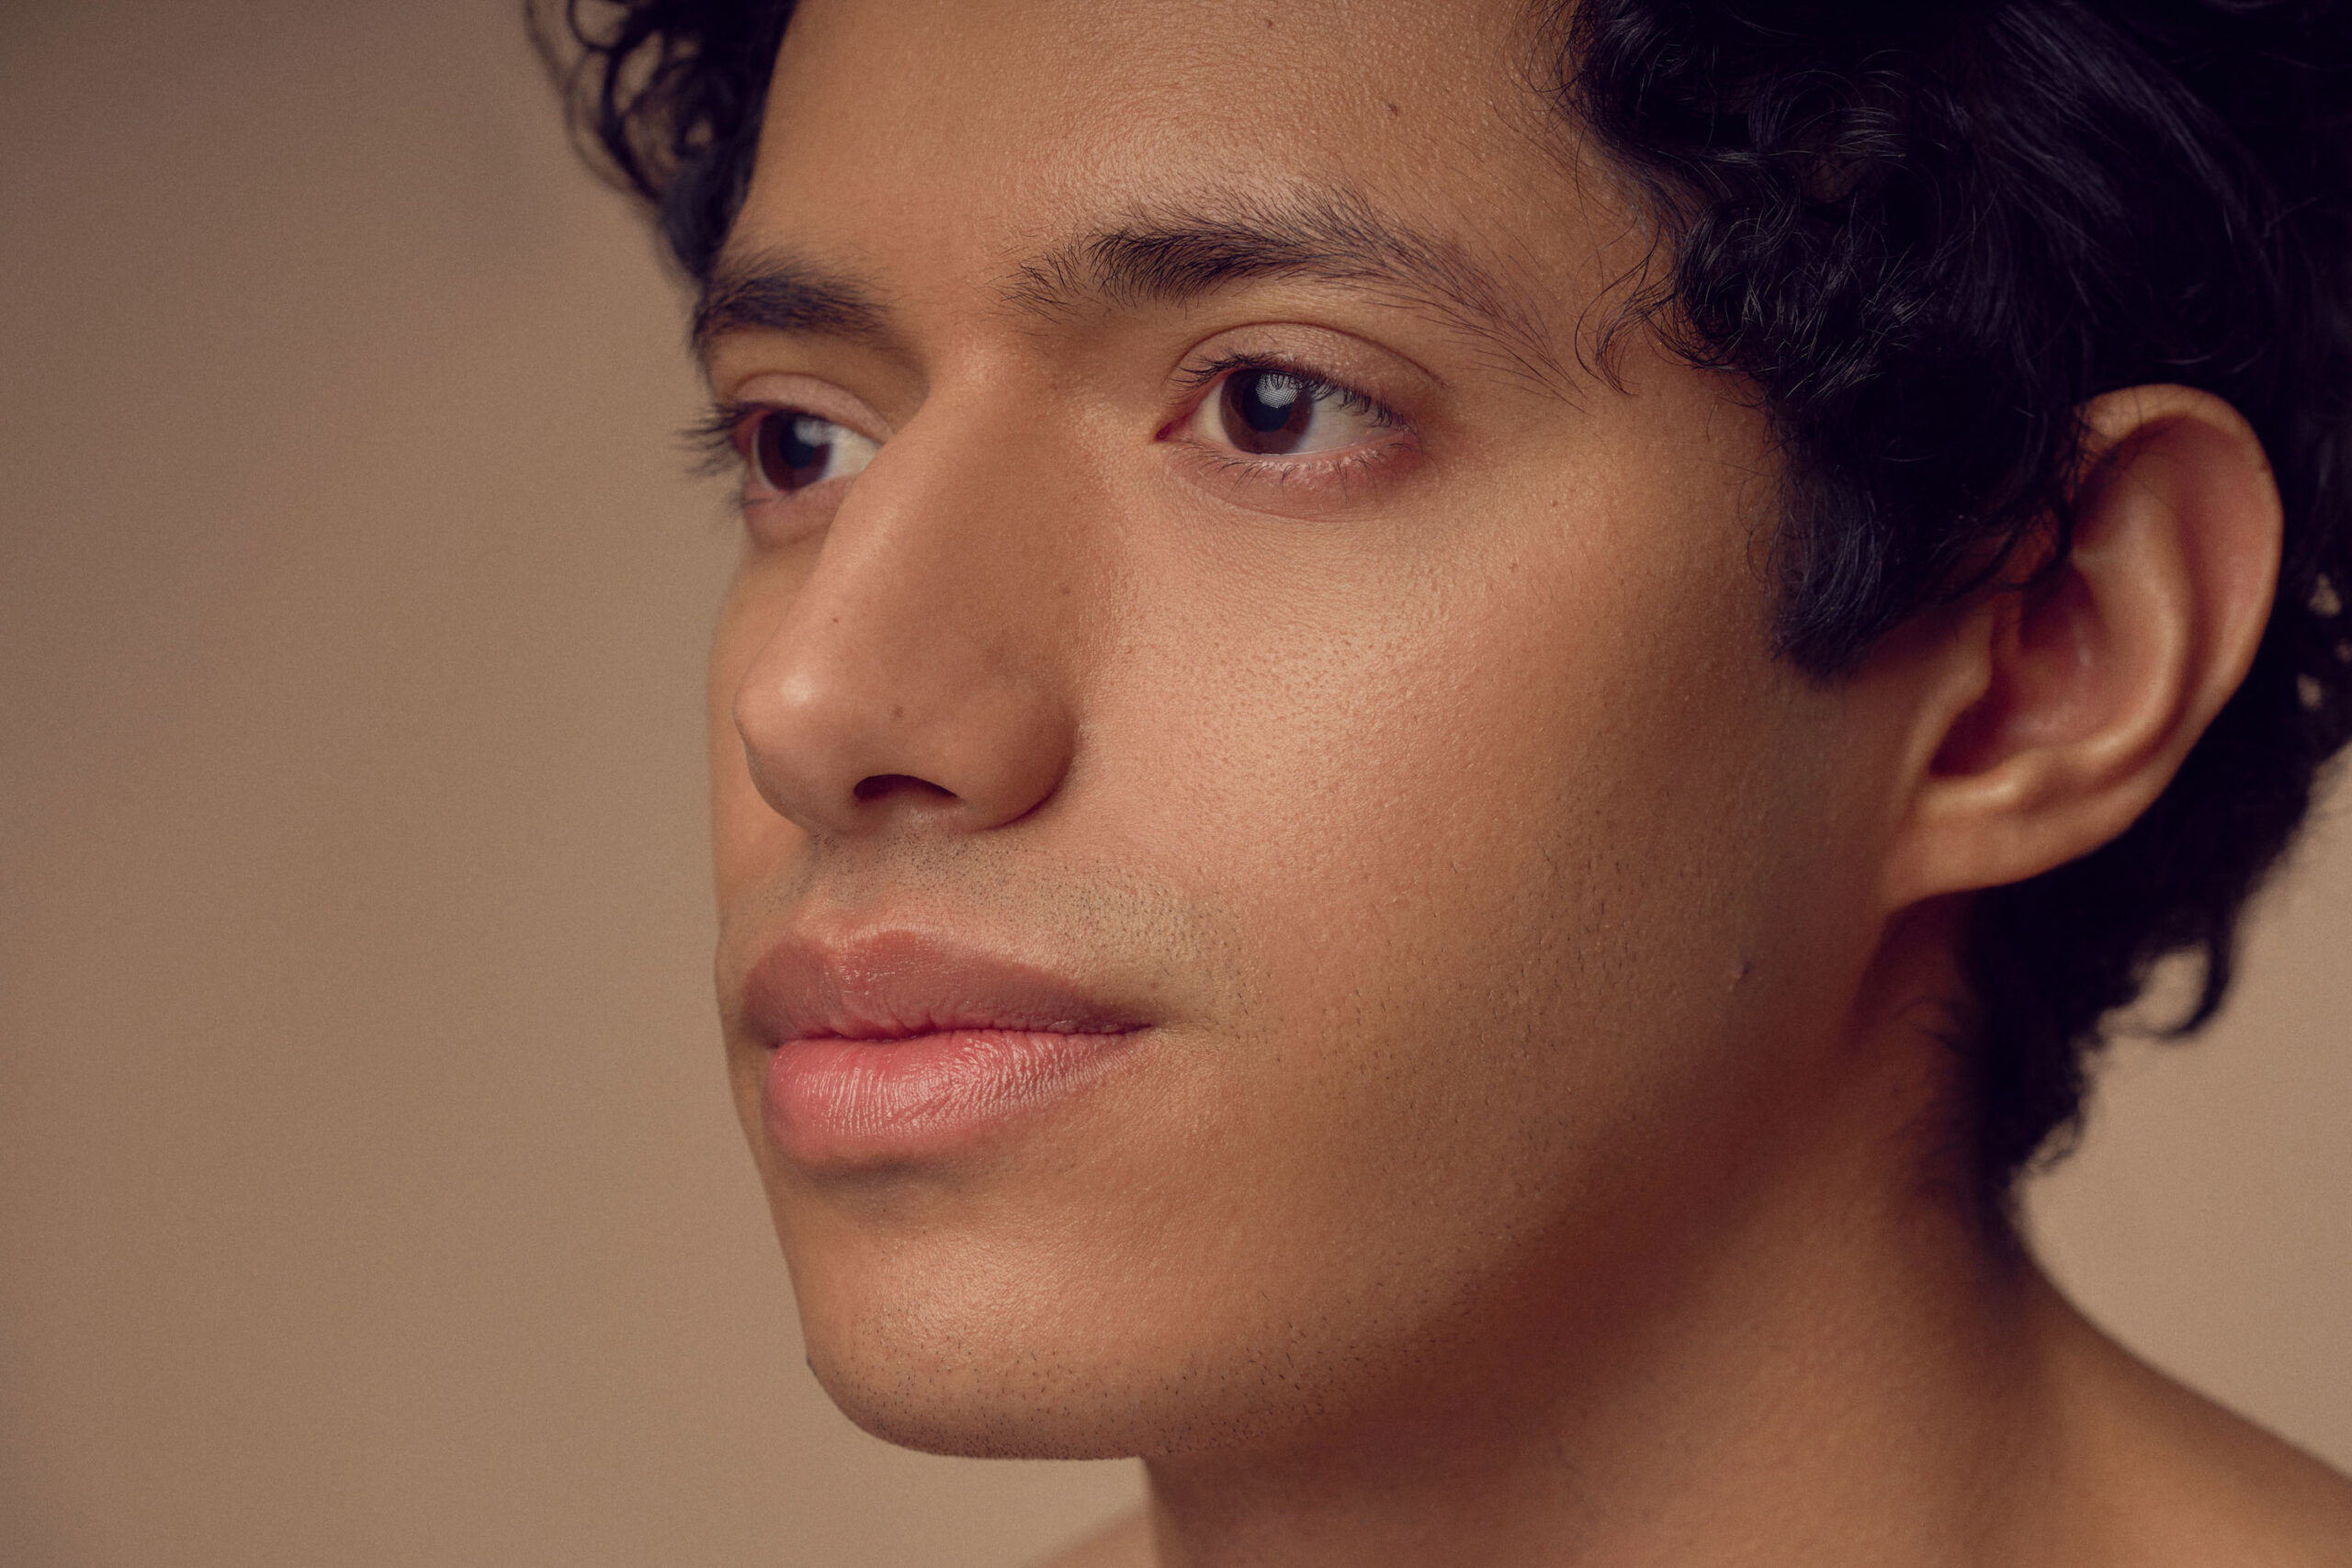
(1004, 125)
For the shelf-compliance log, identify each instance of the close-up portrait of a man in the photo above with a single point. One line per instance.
(1176, 784)
(1447, 728)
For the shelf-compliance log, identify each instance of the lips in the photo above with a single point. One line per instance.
(897, 1047)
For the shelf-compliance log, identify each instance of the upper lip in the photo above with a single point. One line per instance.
(898, 985)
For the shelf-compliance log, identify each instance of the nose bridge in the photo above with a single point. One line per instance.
(921, 674)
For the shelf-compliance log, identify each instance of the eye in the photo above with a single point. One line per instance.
(787, 450)
(1268, 411)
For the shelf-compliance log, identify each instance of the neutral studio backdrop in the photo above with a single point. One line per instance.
(369, 1192)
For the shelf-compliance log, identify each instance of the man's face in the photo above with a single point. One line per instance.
(1286, 757)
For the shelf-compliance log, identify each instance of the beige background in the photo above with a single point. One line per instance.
(367, 1190)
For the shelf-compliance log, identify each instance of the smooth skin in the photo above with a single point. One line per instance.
(1542, 1151)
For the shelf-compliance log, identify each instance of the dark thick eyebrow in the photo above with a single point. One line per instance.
(780, 293)
(1174, 256)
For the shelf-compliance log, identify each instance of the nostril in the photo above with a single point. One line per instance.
(874, 786)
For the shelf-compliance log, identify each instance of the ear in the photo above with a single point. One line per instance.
(2045, 718)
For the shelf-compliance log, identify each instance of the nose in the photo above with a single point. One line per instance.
(918, 680)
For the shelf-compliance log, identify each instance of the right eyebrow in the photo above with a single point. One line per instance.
(779, 293)
(1177, 254)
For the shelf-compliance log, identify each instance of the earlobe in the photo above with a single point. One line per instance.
(2051, 713)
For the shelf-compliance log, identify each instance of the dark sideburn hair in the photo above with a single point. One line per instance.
(1925, 234)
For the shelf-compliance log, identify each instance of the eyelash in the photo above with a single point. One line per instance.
(715, 439)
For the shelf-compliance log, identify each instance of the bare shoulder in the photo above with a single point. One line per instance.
(1124, 1543)
(2173, 1477)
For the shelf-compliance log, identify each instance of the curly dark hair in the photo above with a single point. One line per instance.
(1926, 234)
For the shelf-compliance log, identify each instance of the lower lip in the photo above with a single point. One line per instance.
(841, 1102)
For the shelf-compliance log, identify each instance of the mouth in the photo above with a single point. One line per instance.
(898, 1047)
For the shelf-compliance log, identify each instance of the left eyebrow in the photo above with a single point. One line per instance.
(1176, 256)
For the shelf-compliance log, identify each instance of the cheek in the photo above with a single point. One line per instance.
(1495, 773)
(1508, 835)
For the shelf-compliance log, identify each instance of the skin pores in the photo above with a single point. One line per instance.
(1485, 901)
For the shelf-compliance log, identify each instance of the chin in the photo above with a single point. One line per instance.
(992, 1343)
(968, 1424)
(979, 1384)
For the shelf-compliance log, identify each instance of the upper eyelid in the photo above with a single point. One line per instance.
(803, 392)
(1345, 360)
(1193, 376)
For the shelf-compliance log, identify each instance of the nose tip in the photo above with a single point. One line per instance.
(844, 740)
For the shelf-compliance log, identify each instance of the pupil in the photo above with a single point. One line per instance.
(1266, 411)
(794, 450)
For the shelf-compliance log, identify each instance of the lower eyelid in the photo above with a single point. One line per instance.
(1333, 467)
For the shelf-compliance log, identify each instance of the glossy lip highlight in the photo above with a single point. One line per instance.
(899, 1047)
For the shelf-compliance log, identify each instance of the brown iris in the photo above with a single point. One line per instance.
(1266, 411)
(792, 450)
